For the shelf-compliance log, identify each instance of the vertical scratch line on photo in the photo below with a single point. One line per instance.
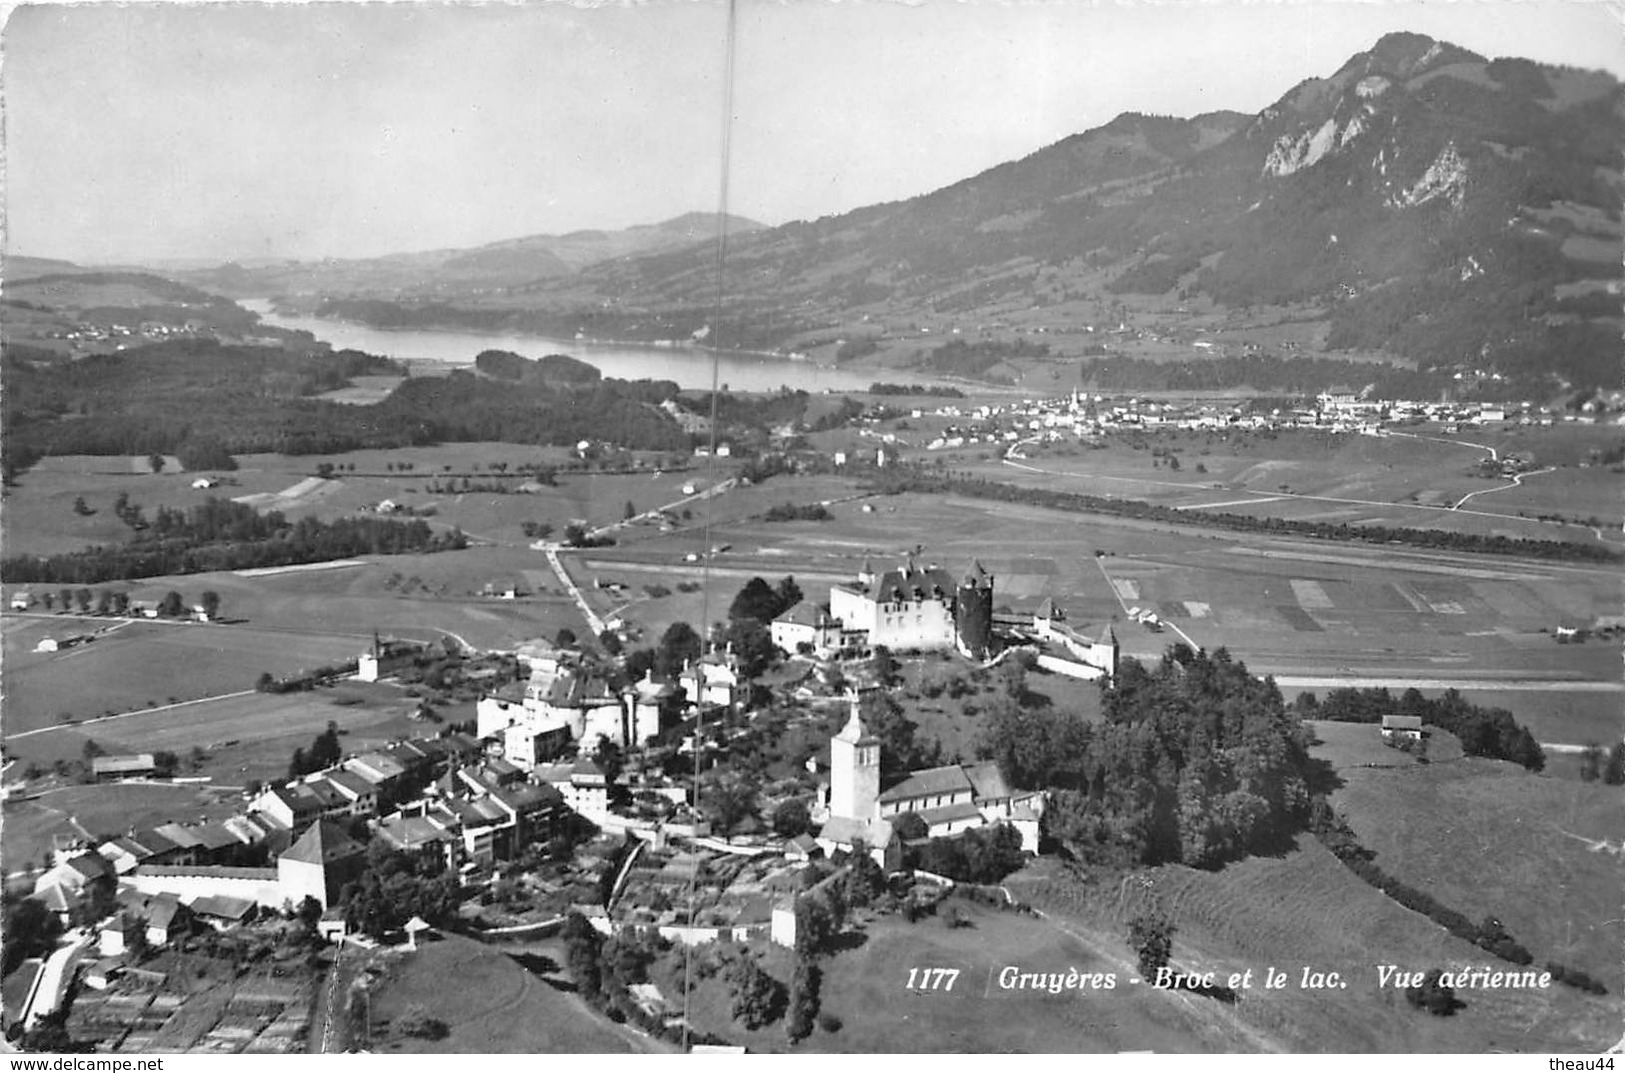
(715, 341)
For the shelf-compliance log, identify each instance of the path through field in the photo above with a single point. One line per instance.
(82, 723)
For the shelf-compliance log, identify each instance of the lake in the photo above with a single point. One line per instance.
(690, 368)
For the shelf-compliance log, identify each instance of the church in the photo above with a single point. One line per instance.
(948, 799)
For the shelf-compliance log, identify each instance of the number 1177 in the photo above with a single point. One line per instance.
(932, 979)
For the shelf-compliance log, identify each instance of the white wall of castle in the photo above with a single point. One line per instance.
(908, 624)
(267, 891)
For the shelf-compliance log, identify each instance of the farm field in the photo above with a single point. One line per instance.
(1490, 839)
(147, 664)
(40, 516)
(1306, 909)
(496, 1007)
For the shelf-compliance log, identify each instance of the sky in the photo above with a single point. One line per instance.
(165, 131)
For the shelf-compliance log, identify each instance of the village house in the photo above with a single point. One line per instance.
(69, 884)
(158, 919)
(1401, 728)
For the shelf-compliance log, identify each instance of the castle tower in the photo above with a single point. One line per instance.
(854, 770)
(973, 613)
(1105, 651)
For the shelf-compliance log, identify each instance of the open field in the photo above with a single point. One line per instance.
(867, 988)
(40, 518)
(220, 724)
(102, 810)
(1306, 909)
(495, 1007)
(1355, 480)
(1487, 838)
(146, 664)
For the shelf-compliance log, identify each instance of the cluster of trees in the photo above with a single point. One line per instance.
(678, 645)
(304, 680)
(221, 535)
(465, 407)
(324, 752)
(881, 387)
(980, 855)
(204, 452)
(895, 479)
(1197, 762)
(31, 930)
(604, 967)
(755, 606)
(1489, 732)
(394, 888)
(789, 512)
(558, 368)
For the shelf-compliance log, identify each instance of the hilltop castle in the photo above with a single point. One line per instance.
(911, 607)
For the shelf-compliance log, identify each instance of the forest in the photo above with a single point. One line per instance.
(174, 397)
(1197, 762)
(221, 535)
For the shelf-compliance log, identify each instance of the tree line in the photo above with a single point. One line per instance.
(219, 534)
(899, 479)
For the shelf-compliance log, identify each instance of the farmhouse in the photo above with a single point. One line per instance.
(22, 601)
(105, 768)
(1401, 727)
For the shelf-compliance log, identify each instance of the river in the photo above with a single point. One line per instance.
(689, 367)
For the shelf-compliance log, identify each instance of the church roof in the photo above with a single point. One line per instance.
(976, 575)
(843, 831)
(986, 780)
(964, 810)
(322, 844)
(1047, 610)
(1108, 636)
(929, 783)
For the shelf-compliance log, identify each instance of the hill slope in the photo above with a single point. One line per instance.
(1457, 211)
(510, 263)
